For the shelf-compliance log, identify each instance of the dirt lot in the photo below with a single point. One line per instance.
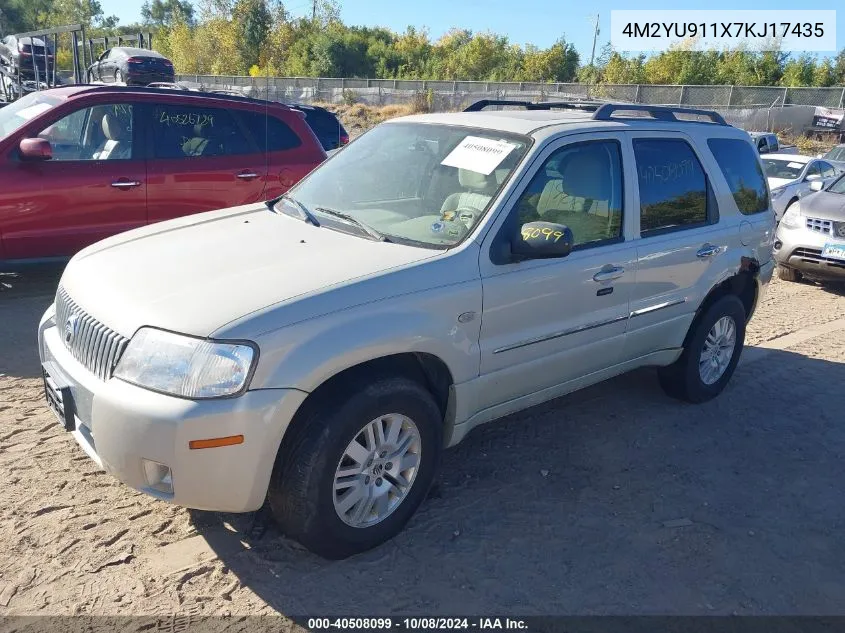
(614, 500)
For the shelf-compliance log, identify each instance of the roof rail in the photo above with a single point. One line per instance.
(588, 106)
(662, 113)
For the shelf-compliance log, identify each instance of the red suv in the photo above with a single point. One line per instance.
(81, 163)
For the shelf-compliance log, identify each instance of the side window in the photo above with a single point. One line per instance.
(269, 133)
(763, 145)
(814, 170)
(673, 187)
(827, 169)
(102, 132)
(184, 131)
(741, 168)
(579, 185)
(773, 143)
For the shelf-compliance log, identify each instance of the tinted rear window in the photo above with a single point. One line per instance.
(742, 170)
(273, 134)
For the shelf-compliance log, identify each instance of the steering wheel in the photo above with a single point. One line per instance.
(466, 216)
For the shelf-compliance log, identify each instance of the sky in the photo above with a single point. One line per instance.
(539, 22)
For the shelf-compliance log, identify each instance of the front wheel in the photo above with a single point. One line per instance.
(357, 466)
(788, 274)
(710, 355)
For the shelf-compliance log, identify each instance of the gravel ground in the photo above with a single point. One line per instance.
(614, 500)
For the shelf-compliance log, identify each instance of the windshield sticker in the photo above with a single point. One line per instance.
(481, 155)
(795, 165)
(34, 110)
(437, 227)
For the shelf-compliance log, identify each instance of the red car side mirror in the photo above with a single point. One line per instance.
(36, 149)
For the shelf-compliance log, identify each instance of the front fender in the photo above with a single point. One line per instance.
(304, 355)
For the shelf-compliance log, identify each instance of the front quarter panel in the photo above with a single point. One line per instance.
(306, 354)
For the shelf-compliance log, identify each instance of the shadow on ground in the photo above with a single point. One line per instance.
(23, 299)
(614, 500)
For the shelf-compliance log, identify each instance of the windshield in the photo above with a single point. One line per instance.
(417, 183)
(837, 153)
(782, 168)
(17, 114)
(838, 186)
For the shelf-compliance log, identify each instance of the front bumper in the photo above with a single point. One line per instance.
(801, 248)
(120, 426)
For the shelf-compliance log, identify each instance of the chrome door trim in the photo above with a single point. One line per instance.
(657, 306)
(562, 333)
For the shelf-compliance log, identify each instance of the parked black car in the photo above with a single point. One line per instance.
(26, 54)
(132, 66)
(327, 127)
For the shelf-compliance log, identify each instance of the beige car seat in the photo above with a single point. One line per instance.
(117, 143)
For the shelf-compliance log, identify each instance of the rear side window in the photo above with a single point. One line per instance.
(673, 187)
(741, 168)
(185, 131)
(270, 133)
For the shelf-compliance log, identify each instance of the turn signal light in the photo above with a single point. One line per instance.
(216, 442)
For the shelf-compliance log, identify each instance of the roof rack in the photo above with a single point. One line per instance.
(662, 113)
(587, 106)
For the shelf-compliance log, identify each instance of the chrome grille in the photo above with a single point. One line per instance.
(93, 344)
(820, 226)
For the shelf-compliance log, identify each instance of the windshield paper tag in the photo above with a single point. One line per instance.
(481, 155)
(795, 165)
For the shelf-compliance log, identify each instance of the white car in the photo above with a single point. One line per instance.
(790, 175)
(440, 272)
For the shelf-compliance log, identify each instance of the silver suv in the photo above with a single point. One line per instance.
(442, 271)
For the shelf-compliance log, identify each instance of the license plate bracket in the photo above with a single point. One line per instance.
(59, 399)
(834, 251)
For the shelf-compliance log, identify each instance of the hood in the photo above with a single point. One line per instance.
(824, 206)
(774, 183)
(195, 274)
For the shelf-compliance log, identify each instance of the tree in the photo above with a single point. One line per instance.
(252, 20)
(163, 13)
(799, 71)
(89, 13)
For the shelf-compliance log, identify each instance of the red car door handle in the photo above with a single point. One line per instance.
(126, 184)
(247, 175)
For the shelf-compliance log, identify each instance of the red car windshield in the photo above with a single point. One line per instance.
(17, 114)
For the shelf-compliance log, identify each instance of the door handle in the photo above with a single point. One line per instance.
(708, 250)
(609, 273)
(126, 184)
(247, 175)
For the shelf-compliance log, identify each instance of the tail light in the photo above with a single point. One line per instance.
(134, 60)
(344, 139)
(169, 63)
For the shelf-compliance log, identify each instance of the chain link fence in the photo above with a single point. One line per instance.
(761, 108)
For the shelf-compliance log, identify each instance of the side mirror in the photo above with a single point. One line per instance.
(36, 149)
(541, 240)
(816, 185)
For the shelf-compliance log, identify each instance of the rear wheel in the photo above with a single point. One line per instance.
(789, 274)
(357, 466)
(710, 355)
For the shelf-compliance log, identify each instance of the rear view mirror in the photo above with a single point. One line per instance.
(36, 149)
(541, 240)
(816, 185)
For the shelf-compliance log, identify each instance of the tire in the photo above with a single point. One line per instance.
(789, 274)
(683, 379)
(302, 494)
(118, 77)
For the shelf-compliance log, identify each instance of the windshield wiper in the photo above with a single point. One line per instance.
(307, 216)
(364, 227)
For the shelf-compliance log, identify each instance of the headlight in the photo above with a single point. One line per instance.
(185, 366)
(792, 218)
(777, 193)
